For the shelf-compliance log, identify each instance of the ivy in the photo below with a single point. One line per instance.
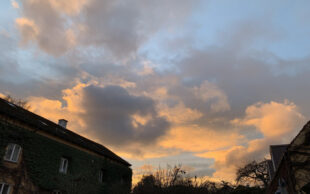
(42, 159)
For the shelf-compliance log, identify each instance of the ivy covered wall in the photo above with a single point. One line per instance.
(42, 160)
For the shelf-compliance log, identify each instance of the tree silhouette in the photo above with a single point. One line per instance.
(253, 172)
(22, 103)
(173, 180)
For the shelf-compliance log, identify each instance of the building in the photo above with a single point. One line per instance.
(276, 154)
(289, 168)
(39, 156)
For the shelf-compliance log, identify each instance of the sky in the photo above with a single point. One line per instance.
(208, 84)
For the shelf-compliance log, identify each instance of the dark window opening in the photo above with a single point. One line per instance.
(102, 175)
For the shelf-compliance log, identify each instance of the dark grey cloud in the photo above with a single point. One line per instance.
(112, 24)
(109, 111)
(47, 27)
(119, 26)
(122, 26)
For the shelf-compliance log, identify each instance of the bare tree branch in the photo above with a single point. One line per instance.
(253, 172)
(22, 103)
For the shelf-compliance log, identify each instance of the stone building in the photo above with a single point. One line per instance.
(290, 166)
(38, 156)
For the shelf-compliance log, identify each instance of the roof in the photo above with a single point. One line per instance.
(294, 146)
(276, 152)
(270, 169)
(16, 112)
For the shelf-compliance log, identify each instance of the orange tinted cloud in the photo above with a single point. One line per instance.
(28, 29)
(278, 122)
(179, 113)
(69, 7)
(196, 139)
(272, 119)
(71, 108)
(55, 109)
(14, 4)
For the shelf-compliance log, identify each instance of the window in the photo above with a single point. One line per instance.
(307, 139)
(56, 192)
(101, 177)
(12, 152)
(4, 188)
(124, 179)
(63, 165)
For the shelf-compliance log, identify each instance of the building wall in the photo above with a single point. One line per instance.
(300, 158)
(283, 179)
(15, 175)
(40, 161)
(294, 168)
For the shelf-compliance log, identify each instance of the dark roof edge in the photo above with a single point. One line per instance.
(279, 145)
(111, 155)
(302, 129)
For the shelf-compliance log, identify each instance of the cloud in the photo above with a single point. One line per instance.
(110, 115)
(28, 29)
(174, 116)
(272, 119)
(69, 108)
(195, 138)
(14, 4)
(208, 91)
(44, 25)
(120, 27)
(278, 122)
(70, 7)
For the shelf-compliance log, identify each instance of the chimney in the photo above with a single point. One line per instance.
(63, 123)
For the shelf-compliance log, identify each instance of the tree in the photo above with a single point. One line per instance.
(22, 103)
(253, 172)
(173, 180)
(172, 176)
(148, 184)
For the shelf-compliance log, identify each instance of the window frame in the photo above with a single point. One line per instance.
(11, 157)
(101, 174)
(64, 164)
(56, 192)
(2, 185)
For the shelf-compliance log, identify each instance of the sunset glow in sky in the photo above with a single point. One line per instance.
(208, 84)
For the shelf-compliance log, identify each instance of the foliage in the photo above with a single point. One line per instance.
(19, 102)
(253, 172)
(42, 158)
(175, 181)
